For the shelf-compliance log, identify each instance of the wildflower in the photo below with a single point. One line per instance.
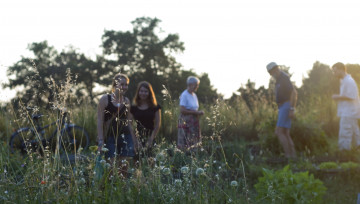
(93, 148)
(102, 162)
(160, 157)
(184, 170)
(166, 171)
(178, 182)
(234, 183)
(107, 165)
(104, 149)
(79, 150)
(6, 192)
(43, 182)
(82, 181)
(199, 171)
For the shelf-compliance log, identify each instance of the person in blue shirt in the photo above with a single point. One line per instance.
(286, 97)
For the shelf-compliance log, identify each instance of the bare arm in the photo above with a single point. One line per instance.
(156, 127)
(185, 111)
(130, 120)
(338, 97)
(293, 100)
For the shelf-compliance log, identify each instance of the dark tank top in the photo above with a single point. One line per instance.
(119, 124)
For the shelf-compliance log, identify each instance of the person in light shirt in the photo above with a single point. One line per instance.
(348, 107)
(189, 136)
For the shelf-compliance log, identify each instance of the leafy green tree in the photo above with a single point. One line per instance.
(320, 82)
(28, 74)
(144, 55)
(354, 71)
(315, 94)
(39, 77)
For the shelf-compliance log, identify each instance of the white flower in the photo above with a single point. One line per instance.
(160, 157)
(199, 171)
(166, 171)
(104, 149)
(102, 162)
(233, 183)
(6, 192)
(79, 150)
(178, 182)
(82, 181)
(184, 170)
(107, 165)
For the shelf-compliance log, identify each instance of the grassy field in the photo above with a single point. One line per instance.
(240, 161)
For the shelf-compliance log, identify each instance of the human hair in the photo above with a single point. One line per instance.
(192, 80)
(117, 79)
(151, 100)
(339, 66)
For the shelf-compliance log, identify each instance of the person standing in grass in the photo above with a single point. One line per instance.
(348, 107)
(113, 126)
(147, 114)
(286, 97)
(189, 135)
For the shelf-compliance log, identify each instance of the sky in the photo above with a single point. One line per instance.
(231, 40)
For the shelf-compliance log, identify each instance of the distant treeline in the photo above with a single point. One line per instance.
(143, 55)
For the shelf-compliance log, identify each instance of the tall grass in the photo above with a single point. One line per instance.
(218, 172)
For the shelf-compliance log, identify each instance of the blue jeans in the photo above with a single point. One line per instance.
(124, 146)
(283, 116)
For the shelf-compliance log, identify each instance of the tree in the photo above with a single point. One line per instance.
(320, 82)
(28, 73)
(144, 55)
(251, 95)
(48, 70)
(141, 53)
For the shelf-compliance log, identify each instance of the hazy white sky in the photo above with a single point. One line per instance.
(231, 40)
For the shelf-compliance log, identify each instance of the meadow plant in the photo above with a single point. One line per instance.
(214, 172)
(283, 186)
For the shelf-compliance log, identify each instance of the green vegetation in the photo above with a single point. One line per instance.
(283, 186)
(238, 134)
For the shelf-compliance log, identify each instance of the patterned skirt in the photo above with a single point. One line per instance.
(189, 135)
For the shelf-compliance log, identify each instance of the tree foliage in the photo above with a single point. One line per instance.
(145, 53)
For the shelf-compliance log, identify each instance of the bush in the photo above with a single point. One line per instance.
(306, 132)
(283, 186)
(328, 165)
(349, 165)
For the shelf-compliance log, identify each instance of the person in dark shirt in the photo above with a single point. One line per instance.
(286, 97)
(147, 114)
(113, 126)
